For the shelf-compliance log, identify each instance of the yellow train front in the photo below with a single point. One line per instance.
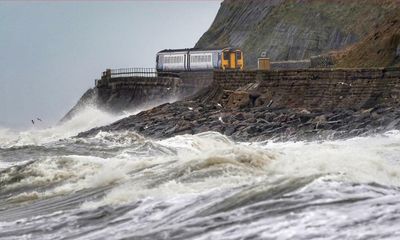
(179, 60)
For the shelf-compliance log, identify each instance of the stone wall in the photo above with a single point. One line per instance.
(130, 92)
(118, 94)
(319, 88)
(194, 81)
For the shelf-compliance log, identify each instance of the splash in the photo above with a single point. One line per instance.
(88, 117)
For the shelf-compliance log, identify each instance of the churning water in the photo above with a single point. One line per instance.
(122, 185)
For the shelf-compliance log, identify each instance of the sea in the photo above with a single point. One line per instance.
(122, 185)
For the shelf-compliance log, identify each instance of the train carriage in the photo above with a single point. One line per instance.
(178, 60)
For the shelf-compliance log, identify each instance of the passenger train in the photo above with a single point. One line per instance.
(180, 60)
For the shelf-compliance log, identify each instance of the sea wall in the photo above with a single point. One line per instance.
(118, 94)
(319, 88)
(128, 92)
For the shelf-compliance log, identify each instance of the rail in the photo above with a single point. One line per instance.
(131, 72)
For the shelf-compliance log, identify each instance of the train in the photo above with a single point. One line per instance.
(194, 59)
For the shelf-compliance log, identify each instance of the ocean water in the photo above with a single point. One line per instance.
(121, 185)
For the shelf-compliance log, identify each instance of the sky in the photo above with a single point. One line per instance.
(51, 52)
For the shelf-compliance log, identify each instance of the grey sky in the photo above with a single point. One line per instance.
(51, 52)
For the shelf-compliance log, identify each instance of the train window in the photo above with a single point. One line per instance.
(226, 55)
(238, 55)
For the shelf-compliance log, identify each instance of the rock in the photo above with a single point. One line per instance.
(260, 102)
(256, 124)
(320, 119)
(240, 117)
(229, 130)
(305, 111)
(238, 99)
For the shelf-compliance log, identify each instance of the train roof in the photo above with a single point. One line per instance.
(194, 49)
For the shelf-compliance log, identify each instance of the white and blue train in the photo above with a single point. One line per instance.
(180, 60)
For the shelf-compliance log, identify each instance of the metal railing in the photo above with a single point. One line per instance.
(111, 75)
(130, 72)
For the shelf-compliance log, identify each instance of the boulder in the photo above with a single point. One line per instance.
(238, 99)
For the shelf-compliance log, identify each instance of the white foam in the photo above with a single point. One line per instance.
(361, 159)
(210, 161)
(89, 117)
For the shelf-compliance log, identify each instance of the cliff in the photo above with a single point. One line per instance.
(379, 49)
(294, 29)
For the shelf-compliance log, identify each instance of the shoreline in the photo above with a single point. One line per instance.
(255, 123)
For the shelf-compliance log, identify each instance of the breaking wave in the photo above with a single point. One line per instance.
(121, 184)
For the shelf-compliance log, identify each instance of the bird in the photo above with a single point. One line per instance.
(33, 122)
(39, 119)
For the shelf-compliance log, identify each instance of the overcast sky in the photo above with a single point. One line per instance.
(51, 52)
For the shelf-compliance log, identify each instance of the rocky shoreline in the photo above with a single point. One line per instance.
(211, 111)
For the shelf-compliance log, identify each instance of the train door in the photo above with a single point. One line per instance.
(233, 62)
(226, 62)
(239, 60)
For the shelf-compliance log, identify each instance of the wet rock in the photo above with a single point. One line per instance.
(238, 99)
(229, 130)
(256, 123)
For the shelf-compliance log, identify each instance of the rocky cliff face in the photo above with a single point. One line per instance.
(294, 29)
(379, 49)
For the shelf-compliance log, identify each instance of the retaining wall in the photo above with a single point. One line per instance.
(122, 93)
(319, 88)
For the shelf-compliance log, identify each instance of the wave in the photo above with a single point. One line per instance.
(88, 117)
(201, 182)
(140, 168)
